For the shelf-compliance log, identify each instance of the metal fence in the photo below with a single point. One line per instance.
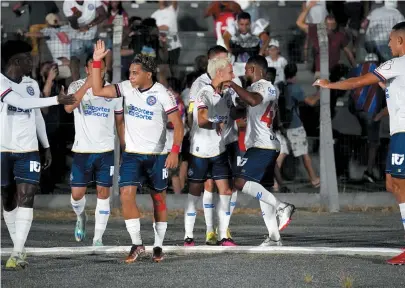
(336, 145)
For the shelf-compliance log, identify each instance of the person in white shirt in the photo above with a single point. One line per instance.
(262, 147)
(209, 157)
(274, 59)
(93, 149)
(83, 16)
(149, 106)
(378, 24)
(166, 20)
(21, 126)
(390, 75)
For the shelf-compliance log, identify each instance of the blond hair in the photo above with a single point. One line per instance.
(217, 64)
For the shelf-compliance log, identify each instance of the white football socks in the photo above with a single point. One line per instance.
(134, 230)
(23, 221)
(233, 200)
(101, 218)
(260, 193)
(402, 209)
(9, 218)
(209, 208)
(78, 206)
(224, 215)
(190, 214)
(160, 230)
(269, 217)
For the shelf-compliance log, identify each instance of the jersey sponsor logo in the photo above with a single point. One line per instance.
(151, 100)
(30, 90)
(90, 110)
(219, 118)
(35, 166)
(90, 7)
(139, 112)
(397, 159)
(18, 110)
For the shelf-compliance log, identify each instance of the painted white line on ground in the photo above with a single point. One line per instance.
(58, 251)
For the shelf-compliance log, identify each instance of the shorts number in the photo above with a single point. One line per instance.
(35, 166)
(268, 116)
(111, 170)
(165, 173)
(241, 161)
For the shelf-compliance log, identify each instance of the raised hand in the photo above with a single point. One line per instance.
(99, 51)
(65, 99)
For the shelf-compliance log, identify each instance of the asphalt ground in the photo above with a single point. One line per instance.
(381, 228)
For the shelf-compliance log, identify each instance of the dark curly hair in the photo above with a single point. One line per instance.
(147, 63)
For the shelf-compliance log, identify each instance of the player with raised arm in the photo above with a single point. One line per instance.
(148, 107)
(262, 146)
(93, 150)
(392, 76)
(209, 157)
(21, 126)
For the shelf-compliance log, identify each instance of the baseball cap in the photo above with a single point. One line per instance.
(274, 42)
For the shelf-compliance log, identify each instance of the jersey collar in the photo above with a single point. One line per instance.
(144, 90)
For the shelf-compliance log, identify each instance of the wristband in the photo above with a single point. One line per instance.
(96, 64)
(175, 149)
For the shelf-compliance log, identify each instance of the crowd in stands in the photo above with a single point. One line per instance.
(351, 26)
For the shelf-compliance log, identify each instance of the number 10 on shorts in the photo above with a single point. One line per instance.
(35, 166)
(165, 173)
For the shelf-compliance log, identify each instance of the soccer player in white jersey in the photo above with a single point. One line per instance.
(21, 124)
(262, 145)
(93, 149)
(209, 157)
(148, 106)
(208, 196)
(392, 76)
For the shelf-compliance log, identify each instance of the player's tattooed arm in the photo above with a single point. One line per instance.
(253, 98)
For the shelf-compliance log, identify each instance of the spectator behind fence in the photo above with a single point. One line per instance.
(114, 9)
(83, 16)
(58, 39)
(379, 24)
(38, 10)
(337, 40)
(244, 40)
(274, 59)
(166, 20)
(295, 137)
(366, 103)
(54, 117)
(224, 13)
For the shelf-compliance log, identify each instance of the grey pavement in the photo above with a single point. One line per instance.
(349, 229)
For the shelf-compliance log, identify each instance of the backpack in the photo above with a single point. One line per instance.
(286, 114)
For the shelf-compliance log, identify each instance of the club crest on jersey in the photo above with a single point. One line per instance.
(151, 100)
(90, 7)
(30, 90)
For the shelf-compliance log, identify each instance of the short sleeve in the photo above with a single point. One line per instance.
(73, 87)
(119, 109)
(5, 88)
(67, 8)
(195, 87)
(297, 93)
(168, 102)
(120, 88)
(203, 100)
(284, 62)
(390, 69)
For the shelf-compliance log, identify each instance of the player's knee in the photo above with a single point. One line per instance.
(209, 185)
(126, 194)
(103, 192)
(388, 183)
(196, 188)
(8, 198)
(239, 183)
(26, 193)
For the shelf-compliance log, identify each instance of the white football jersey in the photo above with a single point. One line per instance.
(259, 129)
(206, 143)
(231, 129)
(145, 113)
(18, 126)
(94, 121)
(393, 74)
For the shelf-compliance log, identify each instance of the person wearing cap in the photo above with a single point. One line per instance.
(22, 125)
(274, 59)
(366, 104)
(58, 39)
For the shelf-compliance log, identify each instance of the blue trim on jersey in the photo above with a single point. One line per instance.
(379, 75)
